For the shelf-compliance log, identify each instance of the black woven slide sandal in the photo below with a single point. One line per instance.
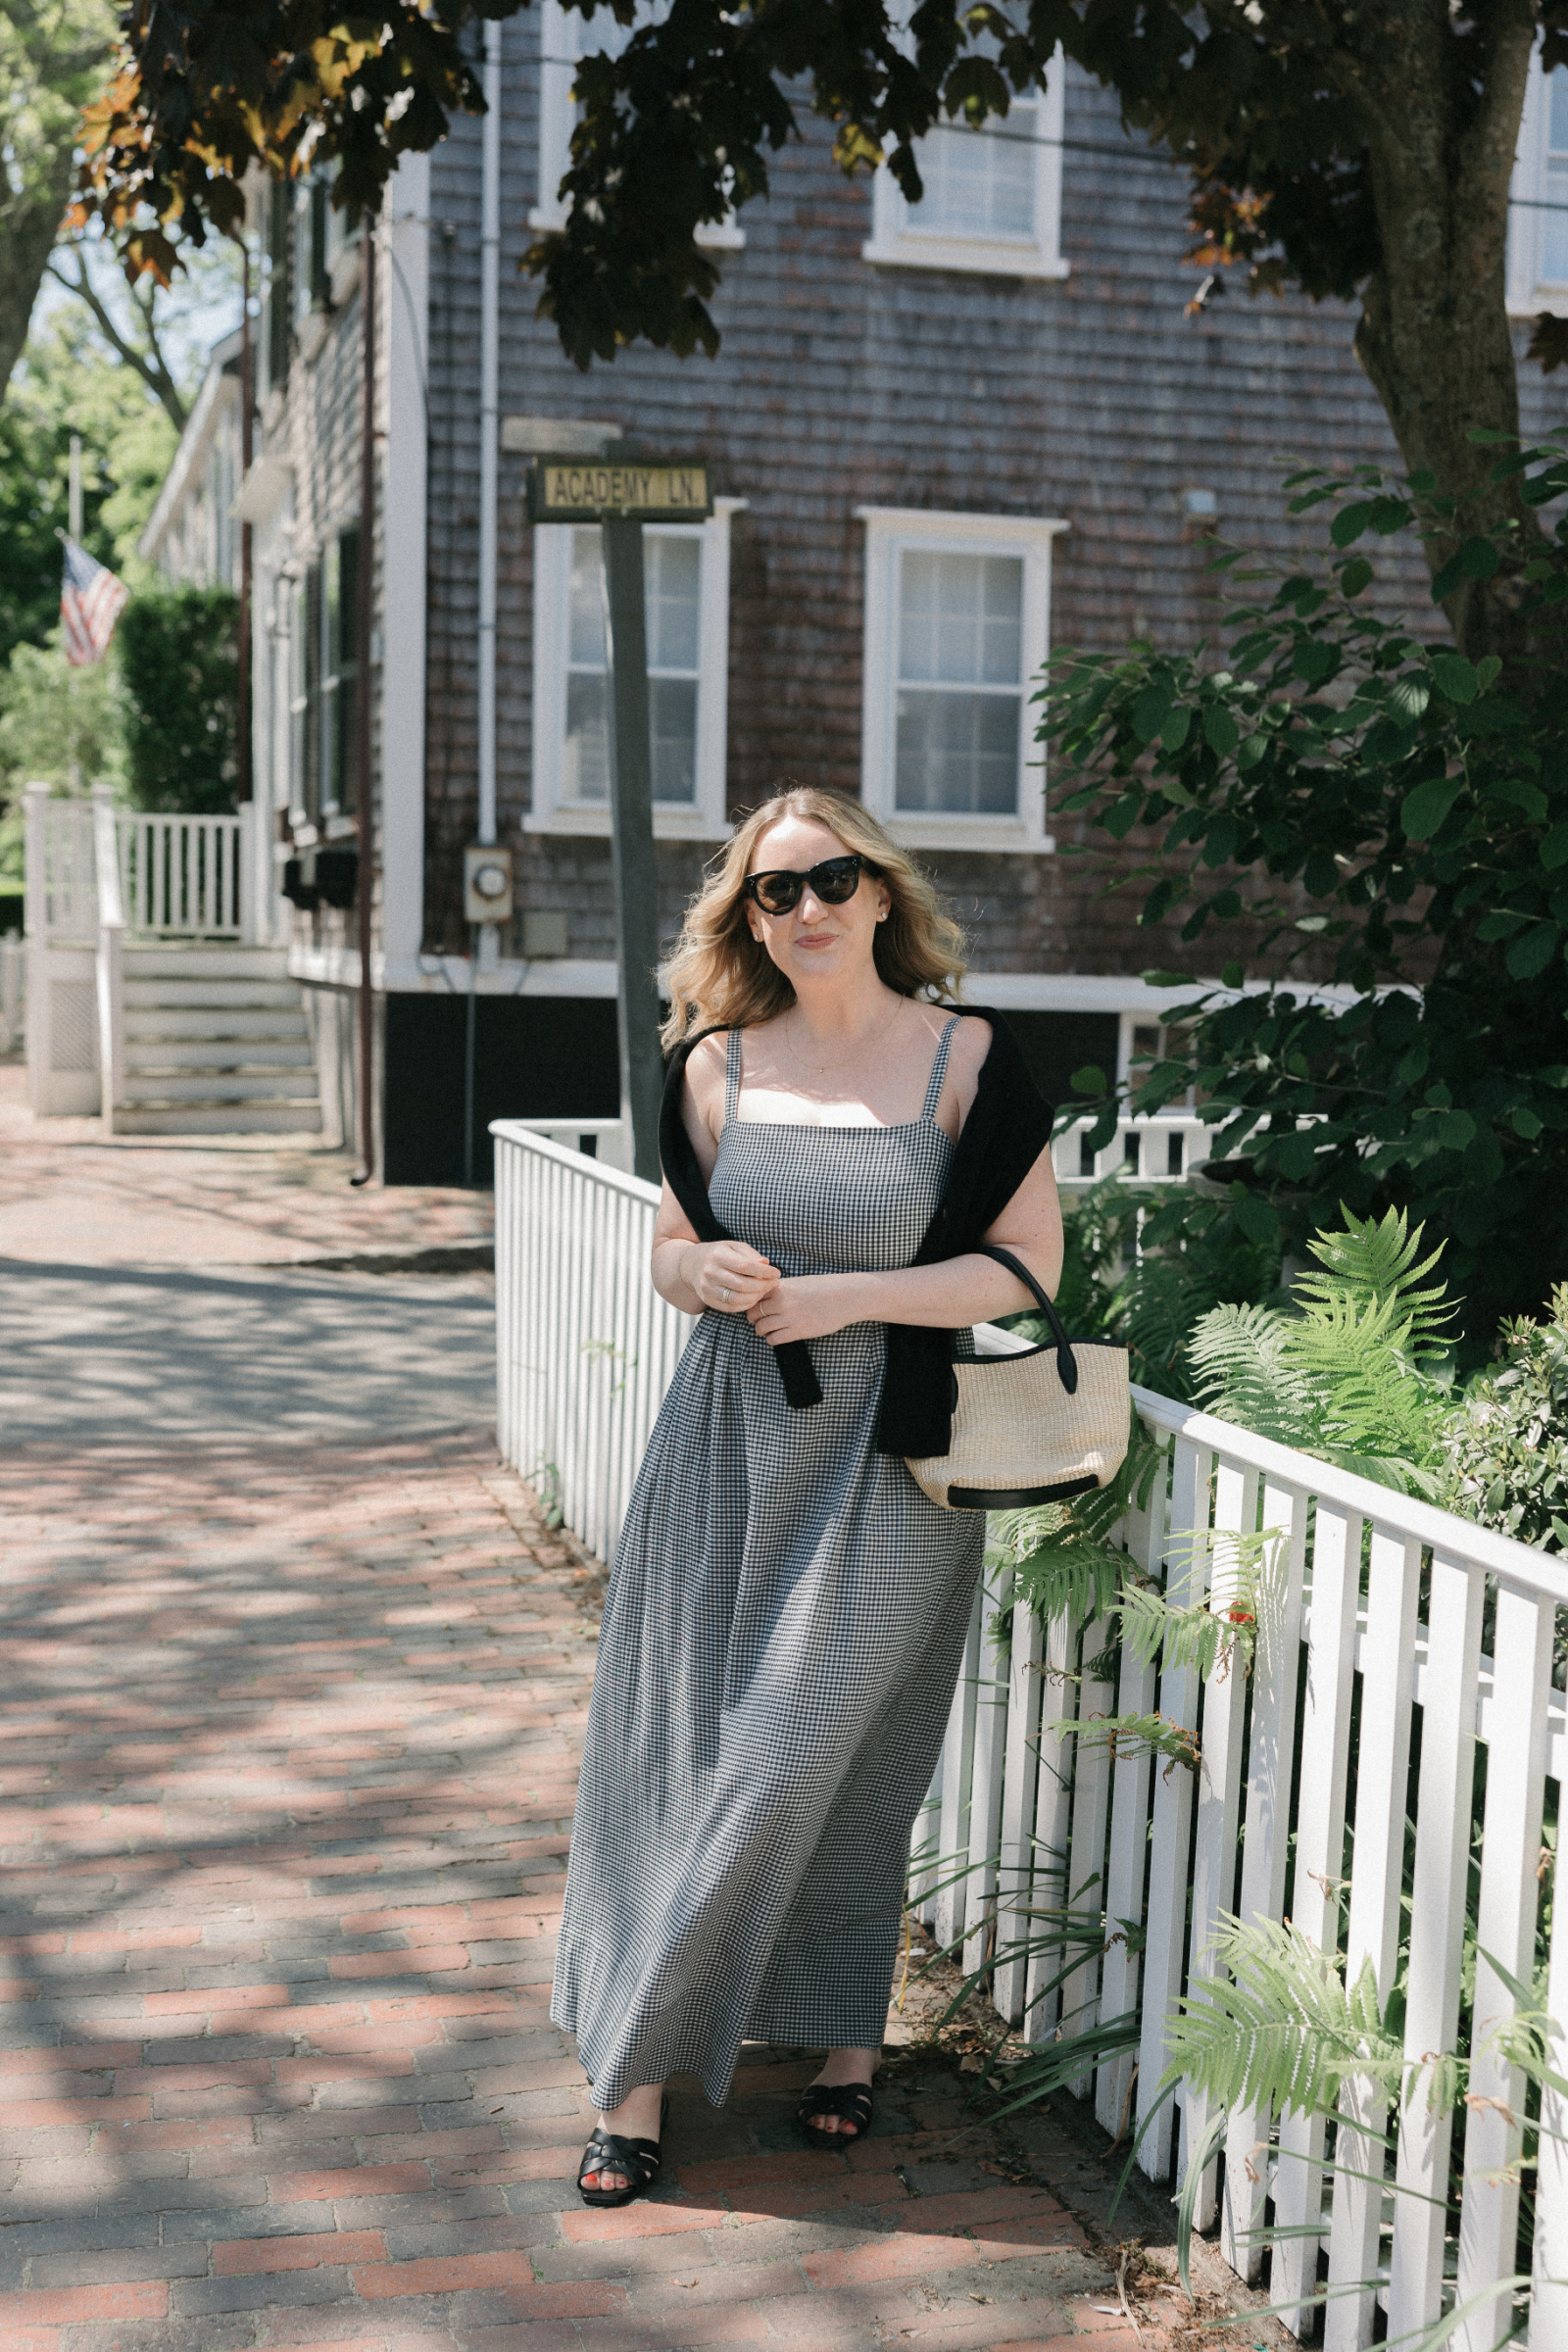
(852, 2101)
(609, 2152)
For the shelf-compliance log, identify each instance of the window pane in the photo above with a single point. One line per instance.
(1555, 225)
(1557, 136)
(960, 620)
(958, 753)
(586, 766)
(979, 182)
(672, 569)
(672, 723)
(586, 642)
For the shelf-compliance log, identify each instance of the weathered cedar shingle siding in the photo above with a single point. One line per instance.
(842, 384)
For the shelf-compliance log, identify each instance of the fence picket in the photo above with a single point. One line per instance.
(1165, 1951)
(1219, 1781)
(1319, 1861)
(1506, 1935)
(1265, 1847)
(1052, 1812)
(1020, 1769)
(1127, 1846)
(958, 1777)
(1086, 1869)
(985, 1792)
(1457, 1593)
(1383, 1764)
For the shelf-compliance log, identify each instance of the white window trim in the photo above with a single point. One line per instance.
(1528, 293)
(897, 240)
(889, 532)
(563, 38)
(706, 818)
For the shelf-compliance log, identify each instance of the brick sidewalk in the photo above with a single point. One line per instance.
(288, 1763)
(65, 1192)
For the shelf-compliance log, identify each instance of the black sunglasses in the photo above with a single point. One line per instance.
(779, 891)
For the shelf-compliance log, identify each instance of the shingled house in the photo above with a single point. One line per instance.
(945, 438)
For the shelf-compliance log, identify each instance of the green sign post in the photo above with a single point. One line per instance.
(621, 497)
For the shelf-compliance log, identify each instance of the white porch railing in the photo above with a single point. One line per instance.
(99, 878)
(1394, 1632)
(186, 877)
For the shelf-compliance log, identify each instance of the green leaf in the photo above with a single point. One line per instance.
(1173, 734)
(1408, 698)
(1351, 520)
(1254, 1215)
(1088, 1081)
(1522, 795)
(1159, 979)
(1529, 957)
(1488, 668)
(1232, 976)
(1554, 848)
(1478, 558)
(1425, 807)
(1315, 660)
(1357, 575)
(1150, 709)
(1526, 1123)
(1221, 731)
(1454, 677)
(1251, 751)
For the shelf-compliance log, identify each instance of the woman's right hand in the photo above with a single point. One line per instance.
(727, 1275)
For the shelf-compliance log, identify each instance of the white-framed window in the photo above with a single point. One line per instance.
(992, 194)
(1538, 197)
(686, 572)
(564, 36)
(957, 623)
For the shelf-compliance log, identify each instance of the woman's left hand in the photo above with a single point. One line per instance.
(805, 1307)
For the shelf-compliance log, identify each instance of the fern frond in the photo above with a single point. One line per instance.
(1376, 1262)
(1279, 2026)
(1242, 1373)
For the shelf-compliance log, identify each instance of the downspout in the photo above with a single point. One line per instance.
(482, 937)
(489, 424)
(364, 778)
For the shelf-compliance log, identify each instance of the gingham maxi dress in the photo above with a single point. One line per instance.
(781, 1640)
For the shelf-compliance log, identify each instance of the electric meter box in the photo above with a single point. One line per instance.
(486, 885)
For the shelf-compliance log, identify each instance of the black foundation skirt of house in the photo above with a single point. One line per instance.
(539, 1058)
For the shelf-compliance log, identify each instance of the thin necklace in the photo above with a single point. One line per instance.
(825, 1069)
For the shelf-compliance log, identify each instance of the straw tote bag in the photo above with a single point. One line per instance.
(1030, 1424)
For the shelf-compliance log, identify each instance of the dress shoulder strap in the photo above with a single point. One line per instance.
(732, 1075)
(939, 1070)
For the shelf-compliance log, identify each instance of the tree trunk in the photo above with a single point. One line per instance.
(1433, 336)
(28, 224)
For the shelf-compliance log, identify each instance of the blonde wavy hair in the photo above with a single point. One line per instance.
(720, 977)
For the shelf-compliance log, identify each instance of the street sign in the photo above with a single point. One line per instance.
(618, 496)
(600, 489)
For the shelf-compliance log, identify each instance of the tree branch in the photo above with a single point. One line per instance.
(149, 364)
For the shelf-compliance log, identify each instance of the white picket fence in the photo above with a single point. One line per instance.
(1392, 1633)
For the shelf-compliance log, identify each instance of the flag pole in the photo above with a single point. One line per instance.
(76, 527)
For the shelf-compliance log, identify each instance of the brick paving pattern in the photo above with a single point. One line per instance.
(67, 1193)
(286, 1771)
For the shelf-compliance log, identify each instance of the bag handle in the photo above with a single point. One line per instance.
(1066, 1361)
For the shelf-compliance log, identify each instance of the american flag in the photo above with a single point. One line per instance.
(90, 603)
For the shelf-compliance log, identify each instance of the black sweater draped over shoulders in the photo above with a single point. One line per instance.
(1007, 1128)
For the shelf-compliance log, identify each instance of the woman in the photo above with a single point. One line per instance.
(788, 1609)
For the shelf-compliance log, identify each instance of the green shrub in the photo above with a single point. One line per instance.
(178, 668)
(1507, 1446)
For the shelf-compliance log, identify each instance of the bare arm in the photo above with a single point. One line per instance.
(691, 1274)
